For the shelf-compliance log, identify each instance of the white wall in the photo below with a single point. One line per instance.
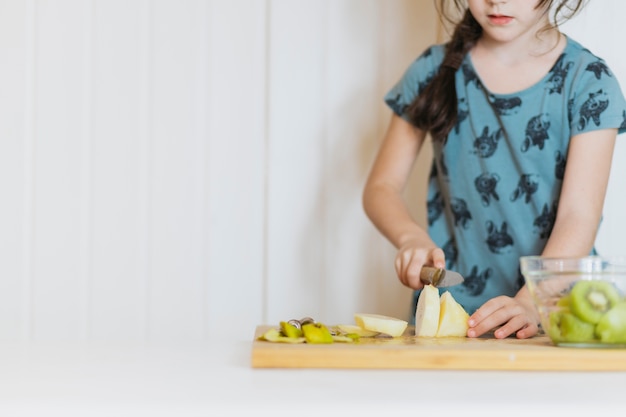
(188, 169)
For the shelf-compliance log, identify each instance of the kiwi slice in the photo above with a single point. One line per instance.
(290, 330)
(317, 333)
(554, 326)
(563, 301)
(589, 300)
(612, 326)
(576, 330)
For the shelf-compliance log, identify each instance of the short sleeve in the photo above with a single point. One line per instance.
(413, 81)
(598, 102)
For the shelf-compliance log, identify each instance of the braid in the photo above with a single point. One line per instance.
(435, 108)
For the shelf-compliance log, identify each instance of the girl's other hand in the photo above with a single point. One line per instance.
(410, 259)
(511, 314)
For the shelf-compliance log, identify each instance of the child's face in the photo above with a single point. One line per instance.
(508, 20)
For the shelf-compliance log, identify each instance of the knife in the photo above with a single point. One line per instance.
(440, 277)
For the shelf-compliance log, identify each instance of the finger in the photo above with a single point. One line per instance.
(486, 310)
(438, 258)
(512, 325)
(529, 331)
(413, 273)
(490, 315)
(403, 260)
(399, 269)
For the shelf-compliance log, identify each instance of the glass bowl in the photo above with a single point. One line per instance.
(581, 301)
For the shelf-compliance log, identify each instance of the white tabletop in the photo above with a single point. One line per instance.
(215, 379)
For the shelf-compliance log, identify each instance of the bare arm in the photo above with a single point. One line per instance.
(385, 206)
(582, 197)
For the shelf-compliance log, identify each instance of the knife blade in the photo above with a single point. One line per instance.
(440, 277)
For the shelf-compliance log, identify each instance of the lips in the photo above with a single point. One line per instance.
(498, 19)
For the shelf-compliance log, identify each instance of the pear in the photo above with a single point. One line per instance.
(452, 317)
(392, 326)
(347, 338)
(356, 330)
(427, 312)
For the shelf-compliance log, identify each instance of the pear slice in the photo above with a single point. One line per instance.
(452, 317)
(427, 312)
(392, 326)
(354, 329)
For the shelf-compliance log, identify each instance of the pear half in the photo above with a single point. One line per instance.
(452, 317)
(427, 312)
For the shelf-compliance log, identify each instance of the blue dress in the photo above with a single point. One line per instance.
(495, 182)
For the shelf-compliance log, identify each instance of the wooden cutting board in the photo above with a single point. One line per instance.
(410, 352)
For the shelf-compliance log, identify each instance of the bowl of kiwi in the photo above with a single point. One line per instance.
(581, 301)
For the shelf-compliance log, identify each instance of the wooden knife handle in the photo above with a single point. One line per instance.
(430, 275)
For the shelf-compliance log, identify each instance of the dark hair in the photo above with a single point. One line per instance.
(434, 110)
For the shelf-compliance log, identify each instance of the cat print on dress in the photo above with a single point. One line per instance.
(461, 213)
(544, 223)
(505, 106)
(475, 282)
(557, 76)
(593, 108)
(486, 186)
(498, 240)
(598, 68)
(486, 144)
(536, 132)
(526, 187)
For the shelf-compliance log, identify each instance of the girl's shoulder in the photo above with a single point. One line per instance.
(575, 51)
(583, 67)
(433, 55)
(426, 64)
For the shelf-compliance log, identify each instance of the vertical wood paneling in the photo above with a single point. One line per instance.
(176, 195)
(296, 198)
(236, 164)
(407, 28)
(144, 162)
(118, 293)
(85, 254)
(350, 121)
(15, 47)
(58, 288)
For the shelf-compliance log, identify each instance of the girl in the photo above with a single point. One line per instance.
(523, 121)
